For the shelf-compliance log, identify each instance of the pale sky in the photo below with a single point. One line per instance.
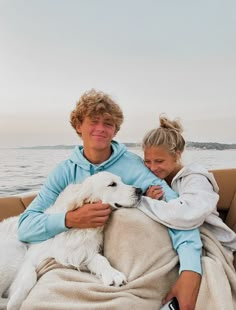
(151, 56)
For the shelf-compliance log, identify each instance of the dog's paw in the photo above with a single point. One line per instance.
(114, 278)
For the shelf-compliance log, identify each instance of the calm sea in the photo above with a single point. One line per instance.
(24, 170)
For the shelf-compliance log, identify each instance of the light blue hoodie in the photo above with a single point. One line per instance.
(36, 226)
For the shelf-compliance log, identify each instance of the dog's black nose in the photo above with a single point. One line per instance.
(138, 191)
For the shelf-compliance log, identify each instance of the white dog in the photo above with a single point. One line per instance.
(11, 257)
(77, 247)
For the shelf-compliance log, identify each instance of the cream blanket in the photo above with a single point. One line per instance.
(141, 248)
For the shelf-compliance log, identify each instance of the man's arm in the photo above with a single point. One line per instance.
(88, 216)
(188, 246)
(34, 224)
(135, 173)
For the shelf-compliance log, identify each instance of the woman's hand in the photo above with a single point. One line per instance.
(155, 192)
(186, 290)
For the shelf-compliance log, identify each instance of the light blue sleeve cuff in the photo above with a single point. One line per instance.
(55, 224)
(189, 259)
(188, 245)
(169, 193)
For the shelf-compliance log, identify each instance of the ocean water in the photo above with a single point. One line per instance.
(24, 170)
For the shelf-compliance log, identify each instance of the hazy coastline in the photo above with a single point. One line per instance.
(189, 145)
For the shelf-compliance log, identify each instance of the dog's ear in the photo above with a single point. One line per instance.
(80, 193)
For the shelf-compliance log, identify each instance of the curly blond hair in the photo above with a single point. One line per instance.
(93, 103)
(168, 134)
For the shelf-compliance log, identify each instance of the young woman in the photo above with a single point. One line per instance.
(197, 189)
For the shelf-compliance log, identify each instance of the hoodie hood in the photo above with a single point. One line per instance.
(197, 169)
(78, 158)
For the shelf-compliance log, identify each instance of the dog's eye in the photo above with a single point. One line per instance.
(112, 184)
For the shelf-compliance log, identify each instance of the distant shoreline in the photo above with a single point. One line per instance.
(189, 145)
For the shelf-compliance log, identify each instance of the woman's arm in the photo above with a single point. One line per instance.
(196, 201)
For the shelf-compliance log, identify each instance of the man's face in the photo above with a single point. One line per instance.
(97, 131)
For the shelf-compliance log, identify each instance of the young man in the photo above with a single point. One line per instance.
(97, 119)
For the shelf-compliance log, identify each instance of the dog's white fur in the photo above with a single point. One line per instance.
(76, 247)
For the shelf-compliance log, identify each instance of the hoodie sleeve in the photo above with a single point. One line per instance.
(196, 201)
(188, 245)
(34, 224)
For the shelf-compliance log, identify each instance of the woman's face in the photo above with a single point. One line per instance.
(160, 161)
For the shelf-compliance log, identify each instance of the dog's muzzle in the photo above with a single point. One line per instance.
(137, 193)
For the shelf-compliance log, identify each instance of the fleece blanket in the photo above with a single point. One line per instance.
(142, 249)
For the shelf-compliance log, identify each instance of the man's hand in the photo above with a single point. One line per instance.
(185, 290)
(88, 216)
(155, 192)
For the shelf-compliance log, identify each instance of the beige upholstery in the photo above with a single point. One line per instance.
(226, 179)
(14, 205)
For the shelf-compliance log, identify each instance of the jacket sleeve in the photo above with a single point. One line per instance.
(139, 175)
(188, 245)
(196, 201)
(34, 224)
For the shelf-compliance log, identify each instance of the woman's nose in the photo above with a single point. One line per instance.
(152, 167)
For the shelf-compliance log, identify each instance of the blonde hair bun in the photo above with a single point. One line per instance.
(168, 124)
(168, 134)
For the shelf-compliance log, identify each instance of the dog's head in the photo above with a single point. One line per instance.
(108, 188)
